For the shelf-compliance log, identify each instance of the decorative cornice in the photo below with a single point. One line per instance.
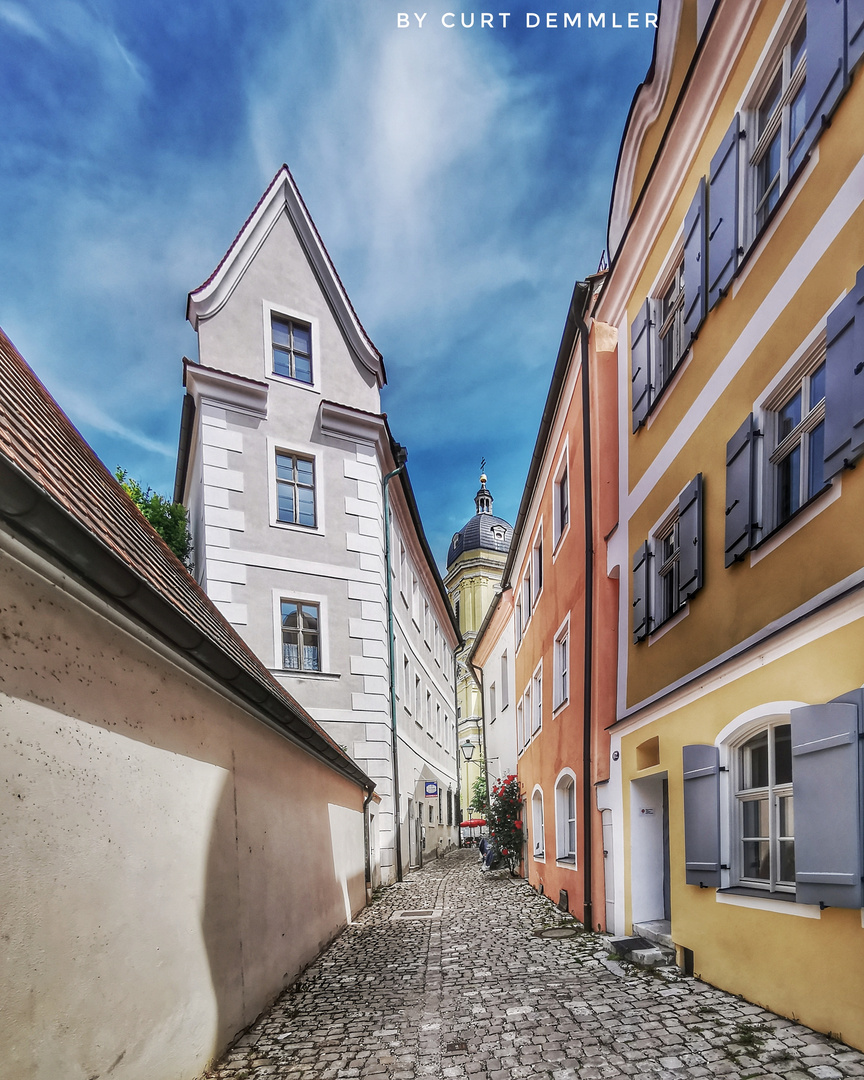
(224, 389)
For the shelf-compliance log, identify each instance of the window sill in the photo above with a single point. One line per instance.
(556, 547)
(287, 380)
(292, 526)
(802, 516)
(293, 673)
(568, 862)
(668, 624)
(763, 894)
(762, 900)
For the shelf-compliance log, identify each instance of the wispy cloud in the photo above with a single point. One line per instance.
(20, 19)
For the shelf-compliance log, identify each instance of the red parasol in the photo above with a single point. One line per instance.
(472, 823)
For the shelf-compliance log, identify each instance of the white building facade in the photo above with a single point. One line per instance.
(283, 453)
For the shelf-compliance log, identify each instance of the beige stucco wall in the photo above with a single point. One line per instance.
(167, 862)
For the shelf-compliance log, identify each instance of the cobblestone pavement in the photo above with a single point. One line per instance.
(475, 993)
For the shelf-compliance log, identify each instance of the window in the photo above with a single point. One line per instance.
(403, 572)
(517, 616)
(779, 119)
(431, 812)
(292, 348)
(300, 636)
(438, 732)
(406, 682)
(418, 701)
(449, 806)
(666, 557)
(456, 611)
(526, 598)
(493, 712)
(537, 824)
(765, 820)
(670, 317)
(565, 819)
(667, 569)
(561, 671)
(505, 686)
(426, 623)
(799, 440)
(520, 726)
(440, 806)
(429, 714)
(561, 502)
(415, 601)
(537, 565)
(295, 489)
(537, 702)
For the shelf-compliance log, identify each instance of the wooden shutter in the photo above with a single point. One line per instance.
(826, 787)
(723, 215)
(640, 593)
(854, 34)
(739, 492)
(641, 348)
(844, 381)
(702, 815)
(690, 539)
(695, 266)
(825, 66)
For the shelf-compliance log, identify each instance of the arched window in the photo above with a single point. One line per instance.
(537, 834)
(764, 832)
(565, 818)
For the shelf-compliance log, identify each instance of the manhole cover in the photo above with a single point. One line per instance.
(455, 1047)
(416, 913)
(558, 932)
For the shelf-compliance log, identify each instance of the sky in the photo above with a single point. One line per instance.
(460, 178)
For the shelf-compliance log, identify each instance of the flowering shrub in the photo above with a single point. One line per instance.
(505, 820)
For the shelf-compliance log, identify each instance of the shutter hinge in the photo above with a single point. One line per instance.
(724, 866)
(859, 368)
(723, 768)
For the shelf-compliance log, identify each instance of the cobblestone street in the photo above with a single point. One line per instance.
(475, 992)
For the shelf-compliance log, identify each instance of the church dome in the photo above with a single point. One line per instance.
(484, 531)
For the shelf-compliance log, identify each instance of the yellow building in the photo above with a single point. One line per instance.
(475, 562)
(737, 243)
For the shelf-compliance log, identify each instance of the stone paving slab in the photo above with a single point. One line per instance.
(476, 994)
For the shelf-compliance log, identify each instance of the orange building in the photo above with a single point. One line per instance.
(564, 618)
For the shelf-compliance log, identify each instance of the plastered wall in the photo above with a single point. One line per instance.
(167, 863)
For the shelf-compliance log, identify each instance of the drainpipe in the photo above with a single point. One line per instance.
(401, 456)
(485, 744)
(588, 661)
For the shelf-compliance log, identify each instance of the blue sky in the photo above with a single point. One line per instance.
(459, 177)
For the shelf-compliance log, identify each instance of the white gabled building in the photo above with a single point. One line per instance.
(283, 453)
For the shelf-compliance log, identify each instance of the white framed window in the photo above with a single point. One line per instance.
(300, 635)
(493, 708)
(764, 829)
(565, 818)
(403, 572)
(666, 546)
(537, 565)
(777, 119)
(406, 682)
(291, 346)
(427, 631)
(291, 343)
(796, 419)
(560, 500)
(561, 666)
(537, 826)
(505, 683)
(418, 701)
(520, 725)
(537, 700)
(517, 618)
(415, 601)
(527, 598)
(669, 305)
(295, 489)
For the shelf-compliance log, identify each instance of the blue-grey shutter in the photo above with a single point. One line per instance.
(739, 492)
(641, 335)
(826, 788)
(825, 67)
(854, 34)
(702, 815)
(844, 381)
(640, 593)
(690, 539)
(695, 265)
(723, 215)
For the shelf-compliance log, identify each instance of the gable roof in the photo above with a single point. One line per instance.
(283, 195)
(59, 496)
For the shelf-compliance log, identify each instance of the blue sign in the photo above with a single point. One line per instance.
(431, 789)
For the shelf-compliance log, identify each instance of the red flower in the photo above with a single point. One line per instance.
(517, 824)
(504, 851)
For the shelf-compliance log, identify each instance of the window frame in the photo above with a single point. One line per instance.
(666, 324)
(538, 828)
(565, 826)
(306, 452)
(296, 486)
(772, 792)
(282, 313)
(311, 599)
(561, 666)
(561, 508)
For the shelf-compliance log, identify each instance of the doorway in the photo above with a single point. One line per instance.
(650, 892)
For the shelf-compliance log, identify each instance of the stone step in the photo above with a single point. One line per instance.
(639, 950)
(658, 932)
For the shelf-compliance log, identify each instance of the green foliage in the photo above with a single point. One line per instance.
(479, 799)
(505, 820)
(167, 518)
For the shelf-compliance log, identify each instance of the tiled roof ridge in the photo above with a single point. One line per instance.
(284, 168)
(62, 464)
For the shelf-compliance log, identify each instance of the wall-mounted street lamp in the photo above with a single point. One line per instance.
(468, 749)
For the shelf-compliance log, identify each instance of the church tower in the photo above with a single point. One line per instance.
(475, 563)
